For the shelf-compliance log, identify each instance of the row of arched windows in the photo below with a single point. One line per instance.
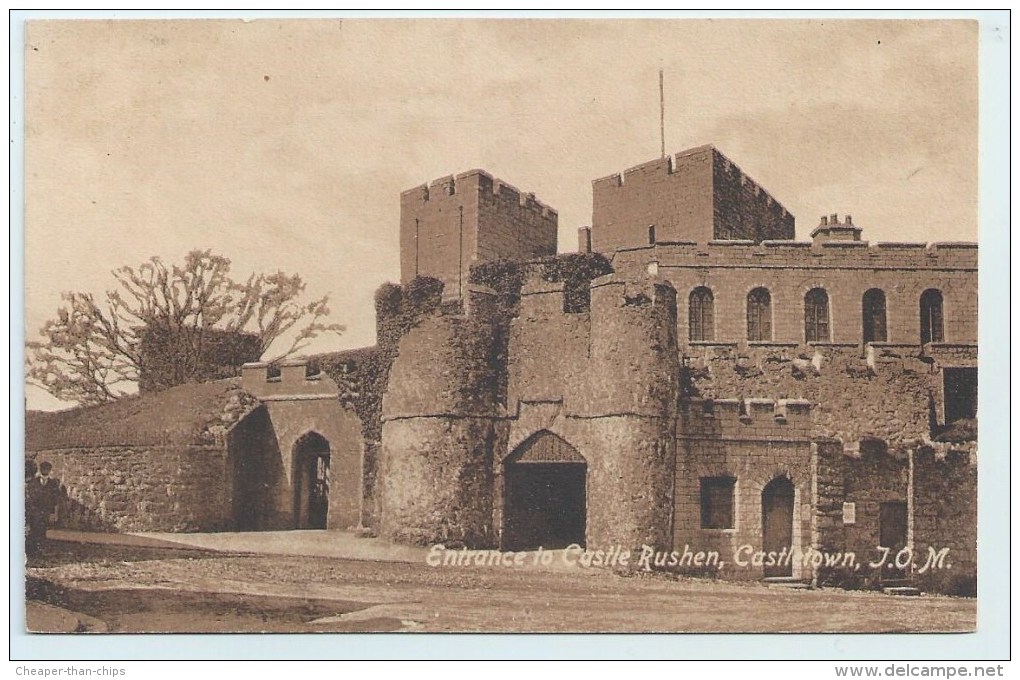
(816, 316)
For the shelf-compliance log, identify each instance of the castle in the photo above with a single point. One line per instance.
(693, 379)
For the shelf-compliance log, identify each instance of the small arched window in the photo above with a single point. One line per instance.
(701, 321)
(759, 315)
(873, 316)
(931, 316)
(816, 315)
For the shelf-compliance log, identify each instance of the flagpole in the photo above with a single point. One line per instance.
(662, 117)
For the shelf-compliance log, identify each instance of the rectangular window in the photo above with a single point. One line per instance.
(961, 392)
(717, 502)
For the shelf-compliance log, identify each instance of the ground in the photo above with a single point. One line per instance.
(324, 582)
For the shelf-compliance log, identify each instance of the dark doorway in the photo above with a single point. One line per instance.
(777, 525)
(311, 481)
(257, 472)
(544, 495)
(545, 505)
(248, 503)
(892, 534)
(960, 387)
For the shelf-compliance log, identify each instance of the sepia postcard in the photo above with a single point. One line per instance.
(501, 326)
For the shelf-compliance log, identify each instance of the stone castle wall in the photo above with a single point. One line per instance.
(753, 442)
(744, 210)
(939, 489)
(851, 398)
(944, 515)
(143, 488)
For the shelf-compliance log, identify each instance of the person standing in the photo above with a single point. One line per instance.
(32, 523)
(42, 497)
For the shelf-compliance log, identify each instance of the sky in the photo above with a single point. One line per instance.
(284, 144)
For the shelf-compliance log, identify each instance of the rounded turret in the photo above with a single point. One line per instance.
(630, 408)
(437, 434)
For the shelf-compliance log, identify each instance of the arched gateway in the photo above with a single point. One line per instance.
(311, 481)
(544, 495)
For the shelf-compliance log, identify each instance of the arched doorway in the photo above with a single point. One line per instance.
(544, 502)
(311, 481)
(777, 500)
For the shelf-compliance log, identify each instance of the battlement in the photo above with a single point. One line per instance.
(472, 183)
(745, 418)
(798, 361)
(291, 379)
(688, 160)
(542, 299)
(928, 457)
(834, 254)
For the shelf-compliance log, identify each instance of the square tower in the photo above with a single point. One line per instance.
(697, 195)
(457, 221)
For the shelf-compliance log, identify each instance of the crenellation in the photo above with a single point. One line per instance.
(508, 193)
(294, 379)
(830, 254)
(480, 178)
(443, 186)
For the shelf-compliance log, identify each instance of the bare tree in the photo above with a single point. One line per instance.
(93, 351)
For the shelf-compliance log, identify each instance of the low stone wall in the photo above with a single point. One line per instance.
(939, 491)
(154, 488)
(945, 519)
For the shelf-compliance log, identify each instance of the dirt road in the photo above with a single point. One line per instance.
(146, 588)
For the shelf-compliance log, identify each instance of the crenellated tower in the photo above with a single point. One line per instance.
(696, 195)
(457, 221)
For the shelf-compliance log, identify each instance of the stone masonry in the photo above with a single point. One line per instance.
(456, 221)
(726, 390)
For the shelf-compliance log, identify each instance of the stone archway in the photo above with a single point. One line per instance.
(544, 499)
(311, 481)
